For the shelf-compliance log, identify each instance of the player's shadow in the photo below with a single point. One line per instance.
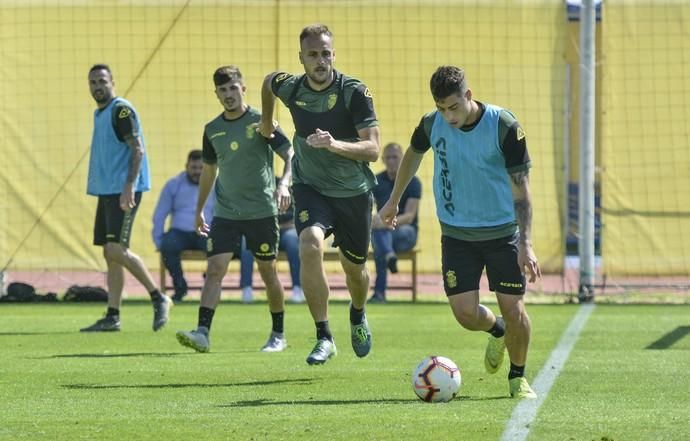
(14, 334)
(268, 402)
(80, 386)
(129, 354)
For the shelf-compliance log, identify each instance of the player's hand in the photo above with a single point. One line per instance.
(127, 201)
(528, 260)
(266, 128)
(320, 139)
(389, 214)
(202, 227)
(377, 223)
(283, 197)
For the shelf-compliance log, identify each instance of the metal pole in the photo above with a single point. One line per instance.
(586, 188)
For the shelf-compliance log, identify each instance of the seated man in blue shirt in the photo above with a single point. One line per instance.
(289, 243)
(178, 200)
(385, 241)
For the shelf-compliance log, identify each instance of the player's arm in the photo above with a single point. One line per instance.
(268, 103)
(208, 177)
(514, 147)
(126, 128)
(366, 149)
(408, 168)
(281, 145)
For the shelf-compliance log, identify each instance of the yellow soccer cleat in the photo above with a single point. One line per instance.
(520, 388)
(493, 357)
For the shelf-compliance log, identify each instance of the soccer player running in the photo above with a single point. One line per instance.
(336, 137)
(247, 204)
(483, 203)
(118, 175)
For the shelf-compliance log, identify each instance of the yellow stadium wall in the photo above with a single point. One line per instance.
(646, 138)
(163, 58)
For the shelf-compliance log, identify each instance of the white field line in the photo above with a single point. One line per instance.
(517, 428)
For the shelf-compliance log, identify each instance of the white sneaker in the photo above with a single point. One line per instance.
(297, 295)
(276, 343)
(247, 295)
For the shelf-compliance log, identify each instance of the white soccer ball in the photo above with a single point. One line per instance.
(436, 379)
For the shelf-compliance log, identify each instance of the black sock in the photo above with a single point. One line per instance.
(155, 295)
(112, 312)
(206, 317)
(277, 319)
(516, 371)
(323, 331)
(356, 315)
(498, 330)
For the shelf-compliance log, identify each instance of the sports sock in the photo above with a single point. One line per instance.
(498, 330)
(112, 312)
(323, 331)
(205, 317)
(277, 319)
(356, 315)
(155, 295)
(516, 371)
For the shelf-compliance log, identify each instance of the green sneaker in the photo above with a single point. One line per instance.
(493, 356)
(106, 324)
(361, 338)
(161, 312)
(520, 388)
(323, 350)
(196, 340)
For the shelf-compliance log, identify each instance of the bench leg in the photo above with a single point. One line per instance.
(162, 275)
(414, 278)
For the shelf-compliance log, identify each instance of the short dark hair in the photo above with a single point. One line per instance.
(446, 81)
(194, 155)
(101, 66)
(313, 30)
(227, 73)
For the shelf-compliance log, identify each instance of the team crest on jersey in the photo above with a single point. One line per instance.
(332, 99)
(303, 216)
(234, 146)
(209, 245)
(264, 247)
(451, 279)
(520, 134)
(250, 131)
(124, 113)
(281, 77)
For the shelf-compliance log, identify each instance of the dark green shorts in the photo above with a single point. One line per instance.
(261, 235)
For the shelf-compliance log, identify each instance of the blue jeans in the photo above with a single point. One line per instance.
(386, 242)
(172, 244)
(289, 242)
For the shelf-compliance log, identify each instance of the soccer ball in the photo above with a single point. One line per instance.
(436, 379)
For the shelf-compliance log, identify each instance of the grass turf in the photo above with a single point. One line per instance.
(56, 383)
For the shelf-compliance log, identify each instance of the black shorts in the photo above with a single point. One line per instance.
(349, 219)
(463, 263)
(261, 236)
(112, 224)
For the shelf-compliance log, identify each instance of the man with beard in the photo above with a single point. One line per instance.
(178, 200)
(118, 175)
(336, 137)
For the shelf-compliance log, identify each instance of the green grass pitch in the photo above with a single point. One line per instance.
(58, 384)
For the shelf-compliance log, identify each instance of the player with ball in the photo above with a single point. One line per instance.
(483, 203)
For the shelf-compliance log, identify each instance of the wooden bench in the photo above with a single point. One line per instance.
(329, 255)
